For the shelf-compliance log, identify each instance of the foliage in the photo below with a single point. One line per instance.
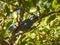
(46, 29)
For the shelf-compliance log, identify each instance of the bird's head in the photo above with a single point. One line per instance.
(33, 18)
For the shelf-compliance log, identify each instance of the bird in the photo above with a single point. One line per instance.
(26, 24)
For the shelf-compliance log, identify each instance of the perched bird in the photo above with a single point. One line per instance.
(26, 24)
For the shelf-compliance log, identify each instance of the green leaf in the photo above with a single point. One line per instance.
(19, 1)
(8, 24)
(7, 10)
(51, 18)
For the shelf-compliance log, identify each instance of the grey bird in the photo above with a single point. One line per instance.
(26, 24)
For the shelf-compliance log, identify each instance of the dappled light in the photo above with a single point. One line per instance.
(29, 22)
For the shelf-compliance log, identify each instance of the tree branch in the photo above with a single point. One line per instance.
(16, 42)
(44, 15)
(2, 42)
(53, 12)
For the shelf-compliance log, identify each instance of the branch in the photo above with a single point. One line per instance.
(44, 15)
(53, 12)
(2, 42)
(16, 42)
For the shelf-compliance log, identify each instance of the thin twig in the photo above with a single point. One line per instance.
(16, 42)
(3, 42)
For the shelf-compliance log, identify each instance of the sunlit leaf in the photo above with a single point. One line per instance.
(7, 10)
